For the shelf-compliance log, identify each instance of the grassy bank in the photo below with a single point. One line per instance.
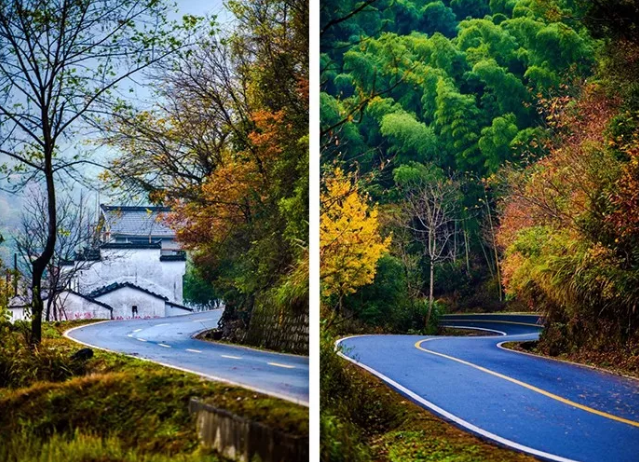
(364, 420)
(213, 337)
(118, 407)
(624, 362)
(458, 332)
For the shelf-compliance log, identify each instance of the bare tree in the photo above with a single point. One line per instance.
(202, 111)
(430, 212)
(488, 238)
(77, 233)
(61, 64)
(402, 247)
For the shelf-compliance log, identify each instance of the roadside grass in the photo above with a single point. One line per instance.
(451, 331)
(209, 336)
(130, 409)
(80, 447)
(362, 419)
(56, 329)
(625, 362)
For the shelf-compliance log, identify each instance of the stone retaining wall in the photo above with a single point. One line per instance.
(242, 440)
(272, 329)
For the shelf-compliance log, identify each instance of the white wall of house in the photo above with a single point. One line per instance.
(124, 299)
(141, 267)
(172, 310)
(73, 306)
(174, 272)
(17, 314)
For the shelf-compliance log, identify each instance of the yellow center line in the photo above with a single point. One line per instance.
(528, 386)
(281, 365)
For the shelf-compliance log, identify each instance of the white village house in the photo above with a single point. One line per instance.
(136, 271)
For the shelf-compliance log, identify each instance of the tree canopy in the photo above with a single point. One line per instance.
(460, 87)
(226, 147)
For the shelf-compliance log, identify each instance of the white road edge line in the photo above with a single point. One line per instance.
(286, 366)
(231, 357)
(182, 369)
(448, 415)
(193, 351)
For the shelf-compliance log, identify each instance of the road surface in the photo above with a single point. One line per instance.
(168, 341)
(553, 410)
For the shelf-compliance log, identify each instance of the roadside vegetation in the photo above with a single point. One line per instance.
(614, 362)
(111, 407)
(364, 420)
(569, 227)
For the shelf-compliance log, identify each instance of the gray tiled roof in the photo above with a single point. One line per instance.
(92, 300)
(181, 256)
(177, 305)
(136, 221)
(131, 245)
(119, 285)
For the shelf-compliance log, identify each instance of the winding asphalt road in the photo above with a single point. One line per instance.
(168, 341)
(553, 410)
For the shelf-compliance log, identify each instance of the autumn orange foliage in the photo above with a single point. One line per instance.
(570, 225)
(625, 217)
(562, 186)
(242, 183)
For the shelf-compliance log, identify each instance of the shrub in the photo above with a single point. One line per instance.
(80, 447)
(22, 366)
(386, 304)
(350, 408)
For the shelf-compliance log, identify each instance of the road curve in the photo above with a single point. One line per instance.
(550, 409)
(168, 341)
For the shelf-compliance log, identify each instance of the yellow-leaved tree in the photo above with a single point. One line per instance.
(350, 241)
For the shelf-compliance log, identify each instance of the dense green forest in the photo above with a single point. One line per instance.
(495, 146)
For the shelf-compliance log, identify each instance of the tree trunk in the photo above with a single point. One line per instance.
(455, 243)
(40, 263)
(494, 243)
(7, 295)
(430, 293)
(466, 244)
(489, 262)
(47, 315)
